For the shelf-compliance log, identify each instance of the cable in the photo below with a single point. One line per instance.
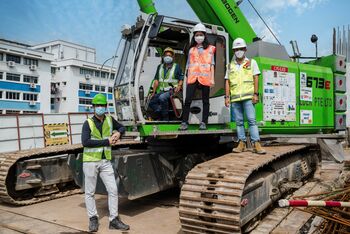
(256, 11)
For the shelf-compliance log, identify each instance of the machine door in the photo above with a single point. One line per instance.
(129, 54)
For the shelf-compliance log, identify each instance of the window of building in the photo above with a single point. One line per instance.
(52, 101)
(30, 79)
(30, 97)
(0, 94)
(12, 95)
(1, 74)
(53, 70)
(85, 86)
(112, 76)
(100, 88)
(97, 73)
(1, 56)
(110, 90)
(110, 104)
(28, 61)
(84, 71)
(14, 58)
(12, 111)
(85, 101)
(103, 74)
(64, 83)
(30, 112)
(12, 76)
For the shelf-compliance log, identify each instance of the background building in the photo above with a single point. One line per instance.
(76, 77)
(53, 77)
(25, 79)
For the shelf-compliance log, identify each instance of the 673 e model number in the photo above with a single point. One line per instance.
(320, 83)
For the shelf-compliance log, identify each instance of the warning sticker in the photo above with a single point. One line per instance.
(305, 92)
(279, 98)
(306, 117)
(56, 134)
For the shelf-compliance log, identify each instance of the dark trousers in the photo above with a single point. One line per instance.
(191, 88)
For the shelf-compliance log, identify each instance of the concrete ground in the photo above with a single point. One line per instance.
(155, 214)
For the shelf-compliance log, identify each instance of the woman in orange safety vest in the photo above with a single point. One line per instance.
(200, 74)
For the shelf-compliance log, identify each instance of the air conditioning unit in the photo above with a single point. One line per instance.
(32, 85)
(87, 76)
(11, 63)
(32, 67)
(87, 92)
(32, 103)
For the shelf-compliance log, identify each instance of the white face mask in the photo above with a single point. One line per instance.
(239, 54)
(199, 39)
(168, 59)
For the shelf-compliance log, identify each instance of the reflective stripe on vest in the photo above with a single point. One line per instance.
(167, 82)
(241, 82)
(199, 66)
(93, 154)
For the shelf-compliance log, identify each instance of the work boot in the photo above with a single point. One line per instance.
(240, 148)
(183, 126)
(93, 224)
(116, 223)
(202, 126)
(257, 148)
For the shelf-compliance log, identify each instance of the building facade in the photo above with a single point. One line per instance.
(53, 77)
(25, 79)
(76, 82)
(76, 77)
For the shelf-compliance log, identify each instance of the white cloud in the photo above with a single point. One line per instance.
(300, 6)
(263, 32)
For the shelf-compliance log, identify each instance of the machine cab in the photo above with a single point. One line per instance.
(140, 53)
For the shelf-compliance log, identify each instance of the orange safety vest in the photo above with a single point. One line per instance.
(199, 66)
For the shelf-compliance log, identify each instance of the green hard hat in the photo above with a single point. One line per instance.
(99, 99)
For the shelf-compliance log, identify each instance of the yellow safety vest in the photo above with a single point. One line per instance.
(165, 82)
(241, 82)
(93, 154)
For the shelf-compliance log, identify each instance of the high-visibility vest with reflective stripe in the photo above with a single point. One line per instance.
(93, 154)
(199, 66)
(168, 81)
(241, 82)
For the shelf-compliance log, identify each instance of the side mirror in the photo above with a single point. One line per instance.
(156, 26)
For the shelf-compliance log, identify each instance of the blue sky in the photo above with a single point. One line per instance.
(97, 23)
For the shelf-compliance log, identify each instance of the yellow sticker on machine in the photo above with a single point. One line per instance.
(56, 134)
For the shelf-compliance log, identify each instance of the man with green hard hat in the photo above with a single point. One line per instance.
(99, 134)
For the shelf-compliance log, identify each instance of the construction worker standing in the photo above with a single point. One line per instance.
(200, 74)
(168, 76)
(241, 88)
(99, 134)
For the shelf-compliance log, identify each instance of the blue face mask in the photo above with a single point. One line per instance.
(168, 59)
(100, 110)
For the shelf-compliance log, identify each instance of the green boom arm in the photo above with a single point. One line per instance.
(147, 6)
(225, 13)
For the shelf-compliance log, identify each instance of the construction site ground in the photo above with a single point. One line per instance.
(153, 214)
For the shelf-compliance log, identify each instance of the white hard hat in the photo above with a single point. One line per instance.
(239, 43)
(199, 28)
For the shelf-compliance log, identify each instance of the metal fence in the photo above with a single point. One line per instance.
(27, 131)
